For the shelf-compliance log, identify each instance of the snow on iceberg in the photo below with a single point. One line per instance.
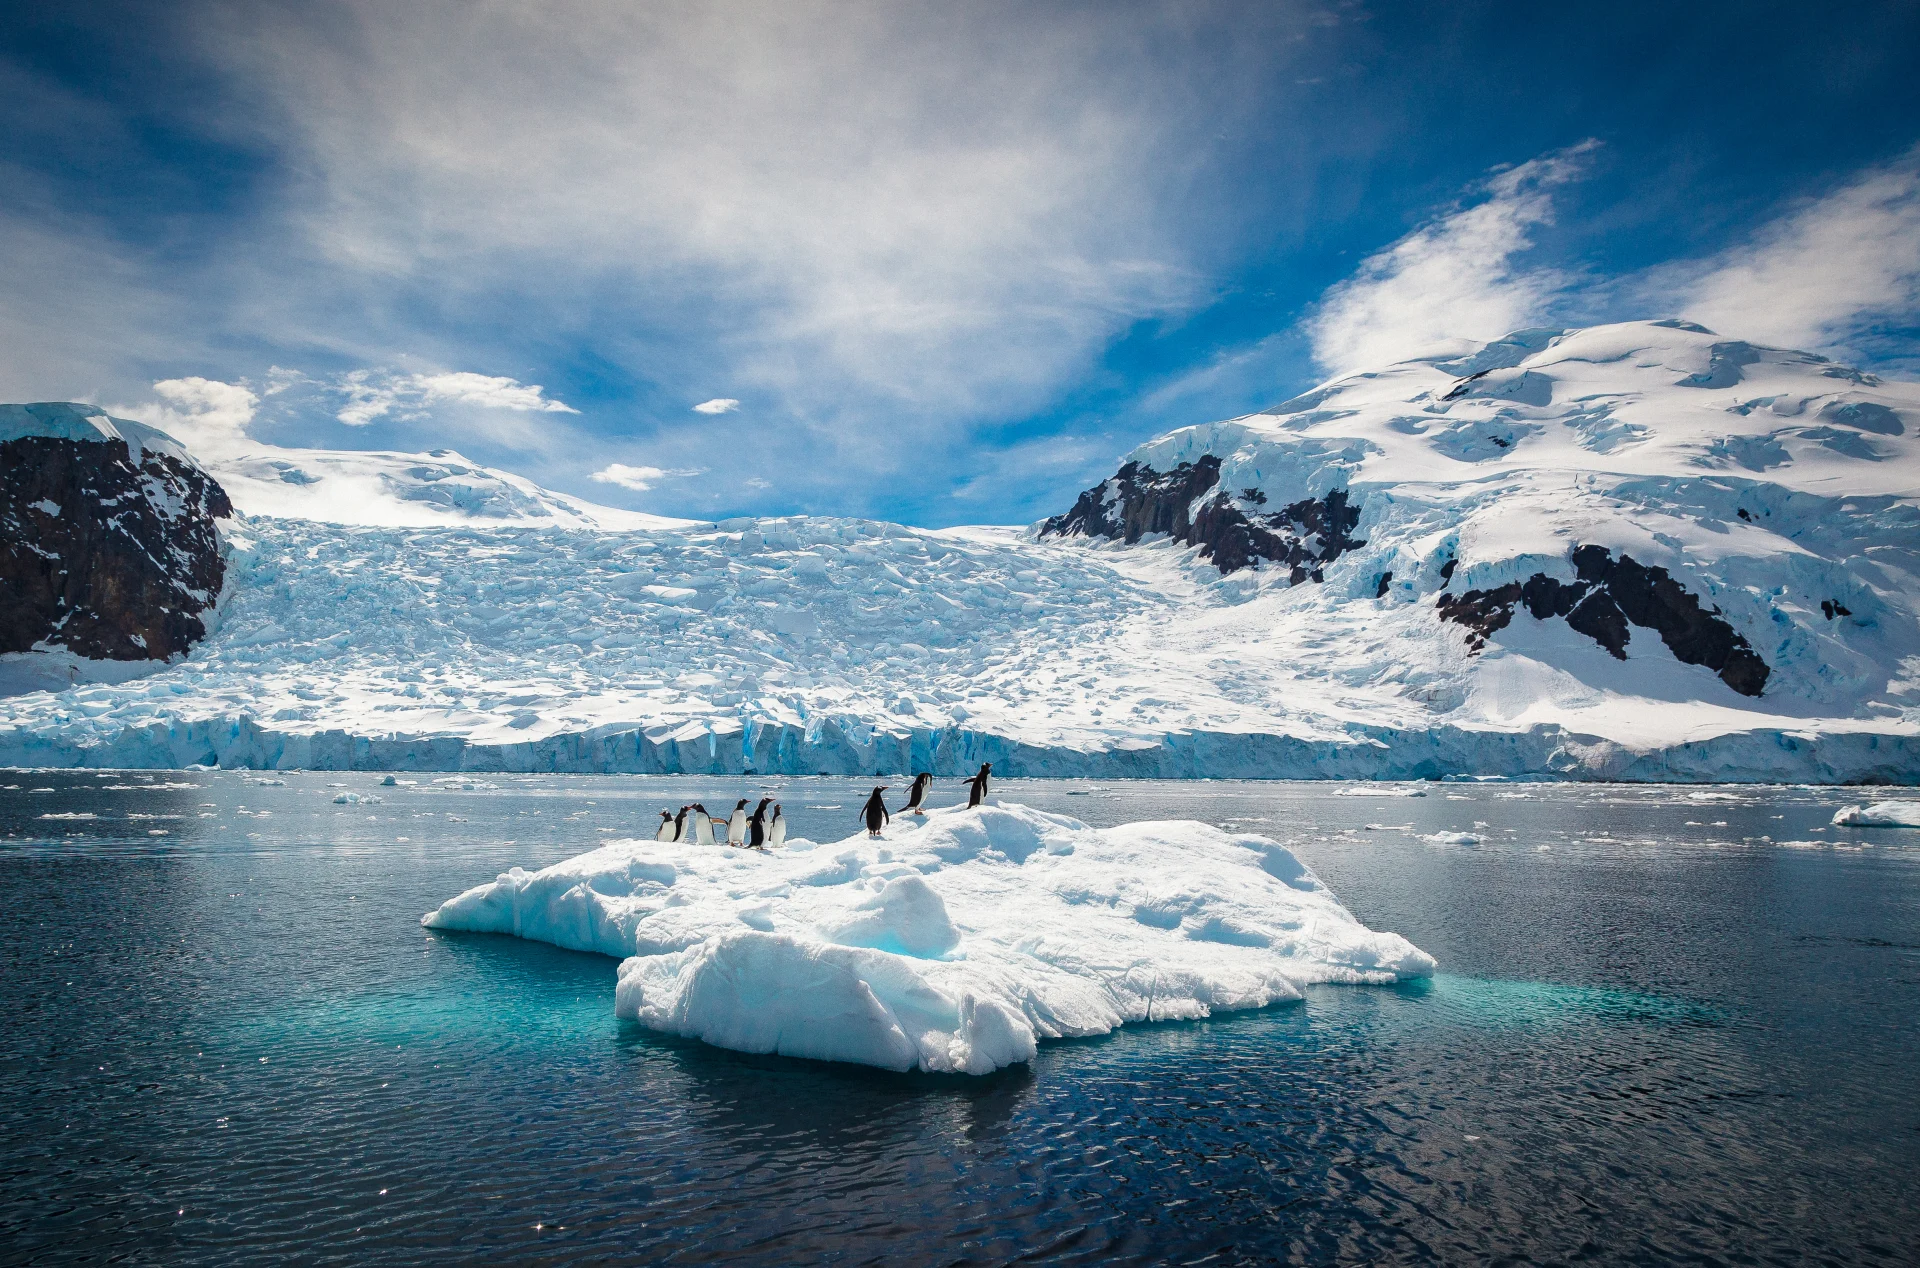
(954, 944)
(1880, 814)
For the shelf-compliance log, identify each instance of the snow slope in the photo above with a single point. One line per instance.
(401, 490)
(953, 944)
(1777, 492)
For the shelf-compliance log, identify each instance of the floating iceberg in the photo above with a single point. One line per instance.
(1880, 814)
(953, 944)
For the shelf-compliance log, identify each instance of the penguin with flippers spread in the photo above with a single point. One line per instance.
(874, 813)
(977, 786)
(917, 795)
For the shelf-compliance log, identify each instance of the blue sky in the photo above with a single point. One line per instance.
(950, 261)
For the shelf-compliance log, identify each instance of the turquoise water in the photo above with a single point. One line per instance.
(1668, 1026)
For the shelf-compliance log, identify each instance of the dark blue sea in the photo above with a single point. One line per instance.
(1671, 1025)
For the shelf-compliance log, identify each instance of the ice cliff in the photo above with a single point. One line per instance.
(1640, 551)
(953, 944)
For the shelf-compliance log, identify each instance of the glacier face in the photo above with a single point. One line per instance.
(1430, 617)
(953, 943)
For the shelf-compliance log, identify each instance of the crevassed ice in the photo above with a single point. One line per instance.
(953, 944)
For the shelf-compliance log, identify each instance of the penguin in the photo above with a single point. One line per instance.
(777, 830)
(874, 813)
(666, 831)
(702, 825)
(917, 795)
(977, 786)
(757, 826)
(680, 824)
(737, 823)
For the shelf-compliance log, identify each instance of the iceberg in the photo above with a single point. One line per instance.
(952, 944)
(1880, 814)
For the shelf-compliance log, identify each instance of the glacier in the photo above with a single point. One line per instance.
(1774, 492)
(951, 944)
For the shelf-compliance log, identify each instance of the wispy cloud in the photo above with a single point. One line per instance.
(1453, 279)
(1827, 271)
(718, 405)
(374, 394)
(640, 479)
(209, 417)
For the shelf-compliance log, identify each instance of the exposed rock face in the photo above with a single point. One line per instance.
(1229, 530)
(1609, 595)
(107, 538)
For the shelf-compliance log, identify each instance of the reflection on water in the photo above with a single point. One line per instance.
(1670, 1024)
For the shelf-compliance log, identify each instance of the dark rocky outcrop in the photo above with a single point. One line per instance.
(106, 548)
(1606, 597)
(1230, 530)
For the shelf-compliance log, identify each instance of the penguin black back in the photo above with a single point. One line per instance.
(977, 786)
(875, 812)
(757, 825)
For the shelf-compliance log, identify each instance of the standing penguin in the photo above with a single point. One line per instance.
(874, 813)
(667, 830)
(917, 795)
(977, 786)
(737, 823)
(680, 824)
(757, 826)
(777, 830)
(702, 825)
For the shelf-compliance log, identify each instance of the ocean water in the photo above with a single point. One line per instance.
(1671, 1024)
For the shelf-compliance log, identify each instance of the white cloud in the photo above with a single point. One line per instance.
(1825, 271)
(873, 201)
(372, 395)
(640, 479)
(1451, 280)
(718, 405)
(206, 415)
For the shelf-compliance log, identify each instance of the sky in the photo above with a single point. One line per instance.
(936, 263)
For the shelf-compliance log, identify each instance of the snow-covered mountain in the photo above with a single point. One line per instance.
(401, 490)
(1634, 551)
(109, 550)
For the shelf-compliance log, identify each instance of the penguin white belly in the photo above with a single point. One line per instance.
(665, 831)
(703, 830)
(737, 828)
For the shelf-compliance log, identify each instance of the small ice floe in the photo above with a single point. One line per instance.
(355, 799)
(954, 944)
(1880, 814)
(1379, 790)
(1452, 838)
(389, 782)
(266, 781)
(465, 783)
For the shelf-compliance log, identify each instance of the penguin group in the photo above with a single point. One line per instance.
(695, 825)
(763, 831)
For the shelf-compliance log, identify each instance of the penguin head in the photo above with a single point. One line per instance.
(740, 804)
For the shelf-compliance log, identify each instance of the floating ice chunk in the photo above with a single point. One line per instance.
(1880, 814)
(1379, 790)
(1453, 838)
(953, 944)
(355, 799)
